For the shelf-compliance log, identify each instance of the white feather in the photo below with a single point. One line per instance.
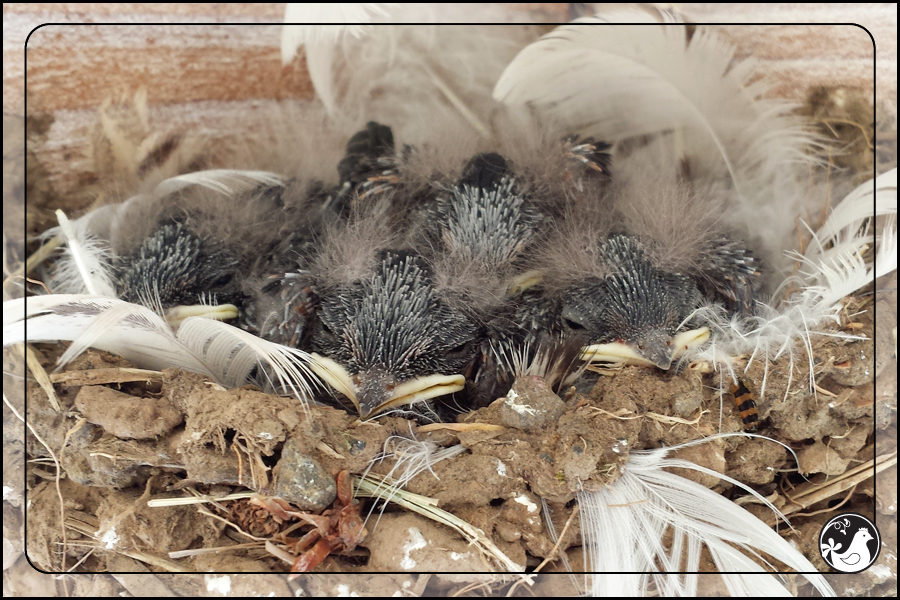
(787, 328)
(232, 353)
(615, 82)
(319, 40)
(225, 181)
(224, 353)
(130, 330)
(623, 526)
(849, 215)
(85, 265)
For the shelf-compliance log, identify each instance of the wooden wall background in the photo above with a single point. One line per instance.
(216, 77)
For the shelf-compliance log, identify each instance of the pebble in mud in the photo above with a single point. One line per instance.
(530, 405)
(302, 481)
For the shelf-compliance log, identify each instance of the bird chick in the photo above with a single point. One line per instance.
(481, 231)
(191, 251)
(636, 304)
(389, 339)
(176, 268)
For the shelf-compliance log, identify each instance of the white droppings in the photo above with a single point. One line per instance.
(501, 468)
(458, 556)
(219, 585)
(416, 541)
(619, 446)
(522, 409)
(523, 499)
(397, 594)
(882, 572)
(265, 435)
(343, 591)
(406, 584)
(110, 538)
(10, 493)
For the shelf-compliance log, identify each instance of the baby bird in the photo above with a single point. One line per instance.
(178, 250)
(390, 339)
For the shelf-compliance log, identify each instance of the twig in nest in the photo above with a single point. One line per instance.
(39, 256)
(424, 506)
(41, 375)
(523, 579)
(181, 501)
(217, 550)
(621, 413)
(811, 493)
(832, 508)
(459, 427)
(562, 534)
(62, 508)
(104, 376)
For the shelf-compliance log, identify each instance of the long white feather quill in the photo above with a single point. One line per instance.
(623, 527)
(230, 356)
(85, 268)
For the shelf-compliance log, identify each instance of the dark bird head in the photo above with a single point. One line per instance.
(480, 231)
(634, 311)
(176, 270)
(390, 340)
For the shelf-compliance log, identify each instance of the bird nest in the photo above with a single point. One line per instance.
(172, 470)
(187, 437)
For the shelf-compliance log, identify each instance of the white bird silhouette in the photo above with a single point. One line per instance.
(855, 557)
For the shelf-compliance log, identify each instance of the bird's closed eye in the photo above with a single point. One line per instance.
(573, 324)
(460, 349)
(222, 281)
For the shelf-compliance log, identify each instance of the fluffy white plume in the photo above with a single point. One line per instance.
(85, 266)
(319, 40)
(616, 82)
(224, 353)
(624, 525)
(828, 275)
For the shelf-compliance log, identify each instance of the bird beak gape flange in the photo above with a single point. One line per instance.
(376, 391)
(219, 312)
(653, 354)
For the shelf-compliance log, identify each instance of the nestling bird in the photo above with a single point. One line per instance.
(389, 339)
(181, 246)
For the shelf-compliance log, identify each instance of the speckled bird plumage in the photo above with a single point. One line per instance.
(391, 327)
(636, 303)
(174, 266)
